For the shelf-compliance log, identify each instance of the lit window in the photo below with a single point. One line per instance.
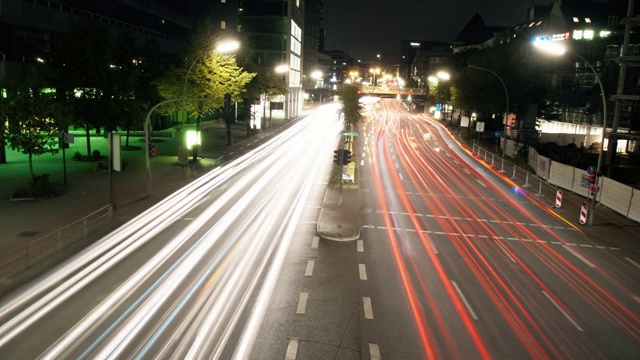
(587, 20)
(539, 23)
(532, 23)
(575, 19)
(223, 1)
(223, 24)
(605, 33)
(577, 34)
(588, 34)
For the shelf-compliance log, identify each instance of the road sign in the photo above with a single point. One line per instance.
(584, 181)
(594, 189)
(479, 126)
(591, 169)
(349, 133)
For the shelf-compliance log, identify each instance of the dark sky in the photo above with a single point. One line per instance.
(369, 27)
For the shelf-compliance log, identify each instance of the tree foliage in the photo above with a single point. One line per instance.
(205, 74)
(350, 99)
(482, 92)
(35, 119)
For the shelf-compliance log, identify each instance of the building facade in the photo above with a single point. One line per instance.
(273, 29)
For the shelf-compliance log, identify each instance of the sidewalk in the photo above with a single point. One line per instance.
(87, 188)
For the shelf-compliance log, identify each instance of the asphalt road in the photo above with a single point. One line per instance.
(454, 262)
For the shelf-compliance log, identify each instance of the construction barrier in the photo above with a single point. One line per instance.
(583, 213)
(559, 198)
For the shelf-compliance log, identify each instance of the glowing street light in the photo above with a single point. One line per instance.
(443, 75)
(554, 48)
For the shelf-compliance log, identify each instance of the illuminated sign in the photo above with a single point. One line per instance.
(560, 37)
(588, 34)
(415, 44)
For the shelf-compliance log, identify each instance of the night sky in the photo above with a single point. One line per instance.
(369, 27)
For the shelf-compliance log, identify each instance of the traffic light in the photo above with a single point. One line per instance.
(346, 157)
(153, 150)
(337, 157)
(592, 177)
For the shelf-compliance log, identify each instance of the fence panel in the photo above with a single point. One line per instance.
(616, 196)
(634, 207)
(561, 175)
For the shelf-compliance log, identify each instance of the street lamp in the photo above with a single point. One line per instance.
(506, 115)
(556, 49)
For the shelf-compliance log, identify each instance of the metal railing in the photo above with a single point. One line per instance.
(525, 179)
(23, 256)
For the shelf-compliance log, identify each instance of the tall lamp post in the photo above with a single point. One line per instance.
(554, 48)
(506, 115)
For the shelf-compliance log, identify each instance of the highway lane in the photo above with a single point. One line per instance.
(189, 278)
(486, 270)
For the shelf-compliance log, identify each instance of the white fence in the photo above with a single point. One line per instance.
(616, 196)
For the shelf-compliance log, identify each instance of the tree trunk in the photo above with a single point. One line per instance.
(31, 168)
(3, 149)
(87, 131)
(126, 141)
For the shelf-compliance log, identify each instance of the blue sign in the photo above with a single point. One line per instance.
(498, 134)
(591, 169)
(438, 107)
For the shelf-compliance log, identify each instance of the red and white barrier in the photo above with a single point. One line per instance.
(583, 213)
(559, 198)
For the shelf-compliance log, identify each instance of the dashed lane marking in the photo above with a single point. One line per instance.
(374, 352)
(292, 349)
(562, 311)
(309, 270)
(566, 245)
(464, 299)
(315, 242)
(632, 262)
(589, 263)
(368, 309)
(505, 251)
(302, 304)
(481, 183)
(360, 245)
(362, 269)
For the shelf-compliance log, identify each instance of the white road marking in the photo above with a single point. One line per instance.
(467, 171)
(360, 245)
(636, 298)
(231, 153)
(481, 183)
(374, 352)
(400, 176)
(188, 219)
(302, 304)
(309, 270)
(464, 299)
(315, 242)
(633, 262)
(361, 162)
(368, 309)
(362, 269)
(439, 232)
(505, 251)
(562, 311)
(292, 349)
(579, 256)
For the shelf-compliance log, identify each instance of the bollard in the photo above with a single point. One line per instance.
(583, 213)
(559, 198)
(526, 181)
(493, 158)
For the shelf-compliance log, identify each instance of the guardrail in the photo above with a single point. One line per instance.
(24, 256)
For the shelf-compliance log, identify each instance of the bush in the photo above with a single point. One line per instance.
(96, 154)
(41, 186)
(77, 155)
